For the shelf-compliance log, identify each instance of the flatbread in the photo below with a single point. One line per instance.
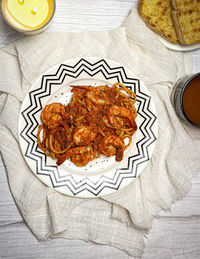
(186, 18)
(157, 16)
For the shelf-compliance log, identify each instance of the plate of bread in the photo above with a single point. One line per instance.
(176, 21)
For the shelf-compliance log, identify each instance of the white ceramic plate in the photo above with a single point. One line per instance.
(178, 47)
(101, 176)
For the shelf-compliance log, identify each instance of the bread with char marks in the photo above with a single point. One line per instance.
(186, 18)
(157, 16)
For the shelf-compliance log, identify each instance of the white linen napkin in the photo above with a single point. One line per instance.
(123, 218)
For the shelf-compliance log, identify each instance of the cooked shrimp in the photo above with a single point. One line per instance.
(90, 105)
(96, 95)
(52, 115)
(77, 151)
(81, 159)
(116, 114)
(83, 135)
(112, 145)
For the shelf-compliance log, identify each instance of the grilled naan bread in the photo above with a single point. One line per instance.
(186, 18)
(157, 16)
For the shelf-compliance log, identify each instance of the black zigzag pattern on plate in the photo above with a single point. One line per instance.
(35, 106)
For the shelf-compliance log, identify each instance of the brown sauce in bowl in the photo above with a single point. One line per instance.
(191, 101)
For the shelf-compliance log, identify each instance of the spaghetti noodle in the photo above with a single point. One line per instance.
(96, 121)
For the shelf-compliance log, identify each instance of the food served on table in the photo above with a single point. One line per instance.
(178, 21)
(96, 121)
(157, 16)
(186, 17)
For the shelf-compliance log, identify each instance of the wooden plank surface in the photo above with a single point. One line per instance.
(174, 234)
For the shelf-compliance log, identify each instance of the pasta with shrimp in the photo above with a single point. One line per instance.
(96, 122)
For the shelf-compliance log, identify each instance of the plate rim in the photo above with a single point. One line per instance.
(178, 47)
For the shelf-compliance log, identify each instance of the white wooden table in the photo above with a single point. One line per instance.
(175, 234)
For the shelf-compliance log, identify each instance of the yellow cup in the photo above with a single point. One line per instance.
(28, 16)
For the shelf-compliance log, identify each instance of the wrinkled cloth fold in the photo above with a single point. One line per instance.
(123, 218)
